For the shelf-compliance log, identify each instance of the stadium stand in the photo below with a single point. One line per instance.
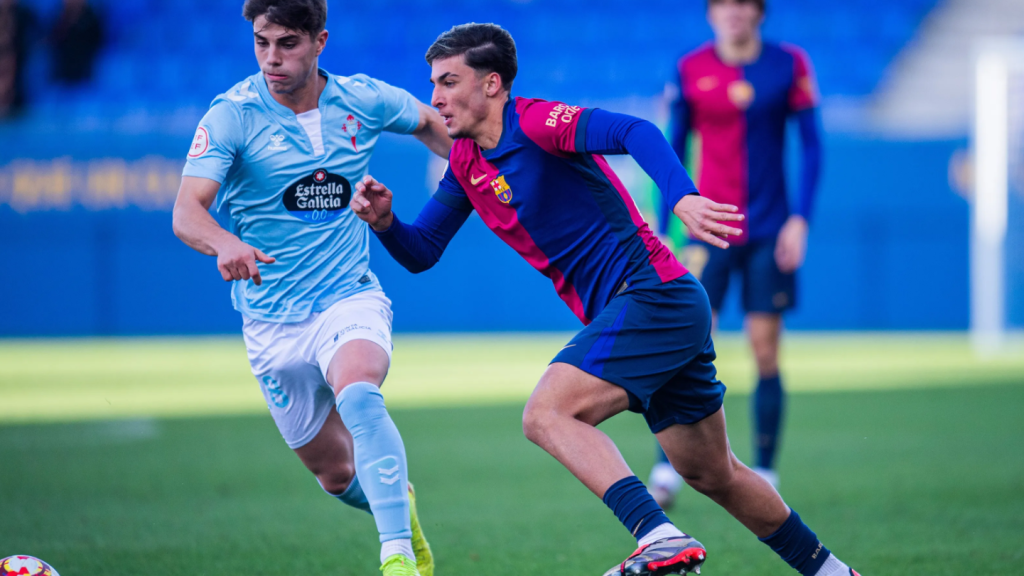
(88, 177)
(166, 56)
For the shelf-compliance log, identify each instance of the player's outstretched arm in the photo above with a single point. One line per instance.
(194, 225)
(610, 133)
(417, 246)
(432, 131)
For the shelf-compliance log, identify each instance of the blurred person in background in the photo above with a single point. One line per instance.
(17, 24)
(76, 38)
(735, 95)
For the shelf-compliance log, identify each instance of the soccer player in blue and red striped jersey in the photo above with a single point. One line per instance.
(735, 95)
(534, 172)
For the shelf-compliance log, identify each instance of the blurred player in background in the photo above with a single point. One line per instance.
(735, 95)
(534, 173)
(279, 152)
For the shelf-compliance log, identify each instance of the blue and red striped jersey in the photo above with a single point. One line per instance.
(560, 207)
(739, 115)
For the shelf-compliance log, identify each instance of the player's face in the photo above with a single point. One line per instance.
(461, 95)
(288, 58)
(734, 21)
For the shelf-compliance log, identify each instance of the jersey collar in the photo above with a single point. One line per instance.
(284, 111)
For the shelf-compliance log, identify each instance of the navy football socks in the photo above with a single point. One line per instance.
(768, 403)
(634, 506)
(795, 543)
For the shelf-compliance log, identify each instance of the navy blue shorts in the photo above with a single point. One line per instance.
(765, 288)
(654, 341)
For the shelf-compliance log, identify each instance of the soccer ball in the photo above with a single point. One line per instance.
(25, 566)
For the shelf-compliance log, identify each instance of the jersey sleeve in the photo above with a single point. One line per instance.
(217, 142)
(803, 94)
(554, 126)
(418, 246)
(451, 194)
(400, 110)
(679, 109)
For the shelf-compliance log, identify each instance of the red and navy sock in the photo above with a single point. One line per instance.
(795, 543)
(768, 402)
(634, 507)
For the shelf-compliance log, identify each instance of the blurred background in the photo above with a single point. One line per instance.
(134, 440)
(106, 97)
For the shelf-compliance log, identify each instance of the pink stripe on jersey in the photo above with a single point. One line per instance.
(475, 174)
(665, 264)
(718, 95)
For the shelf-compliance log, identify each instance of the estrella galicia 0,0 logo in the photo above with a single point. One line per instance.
(319, 197)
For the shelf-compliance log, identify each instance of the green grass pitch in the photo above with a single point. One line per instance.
(157, 457)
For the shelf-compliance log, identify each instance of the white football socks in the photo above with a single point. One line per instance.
(401, 546)
(833, 567)
(666, 530)
(769, 475)
(663, 475)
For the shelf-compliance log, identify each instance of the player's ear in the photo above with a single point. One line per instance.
(492, 84)
(321, 41)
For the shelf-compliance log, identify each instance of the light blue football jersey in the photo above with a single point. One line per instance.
(290, 203)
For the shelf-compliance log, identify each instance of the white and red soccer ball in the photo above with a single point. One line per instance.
(21, 565)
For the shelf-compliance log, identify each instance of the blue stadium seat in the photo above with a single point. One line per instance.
(166, 55)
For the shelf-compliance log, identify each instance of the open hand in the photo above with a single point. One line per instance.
(372, 203)
(703, 219)
(236, 260)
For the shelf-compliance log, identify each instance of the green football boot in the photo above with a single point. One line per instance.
(399, 565)
(420, 546)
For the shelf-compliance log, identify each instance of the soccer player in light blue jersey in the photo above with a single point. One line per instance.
(279, 152)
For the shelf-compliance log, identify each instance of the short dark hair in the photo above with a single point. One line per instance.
(309, 16)
(487, 48)
(759, 3)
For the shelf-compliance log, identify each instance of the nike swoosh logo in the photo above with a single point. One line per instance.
(567, 346)
(477, 180)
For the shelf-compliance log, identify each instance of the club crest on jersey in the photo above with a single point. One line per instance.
(741, 93)
(200, 143)
(318, 197)
(707, 83)
(501, 189)
(351, 127)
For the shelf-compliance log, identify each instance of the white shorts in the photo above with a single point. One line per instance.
(290, 360)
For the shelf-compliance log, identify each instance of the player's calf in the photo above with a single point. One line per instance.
(380, 466)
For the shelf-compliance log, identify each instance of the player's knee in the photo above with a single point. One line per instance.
(536, 423)
(710, 480)
(360, 398)
(337, 479)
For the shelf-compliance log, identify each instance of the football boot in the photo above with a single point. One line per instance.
(676, 555)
